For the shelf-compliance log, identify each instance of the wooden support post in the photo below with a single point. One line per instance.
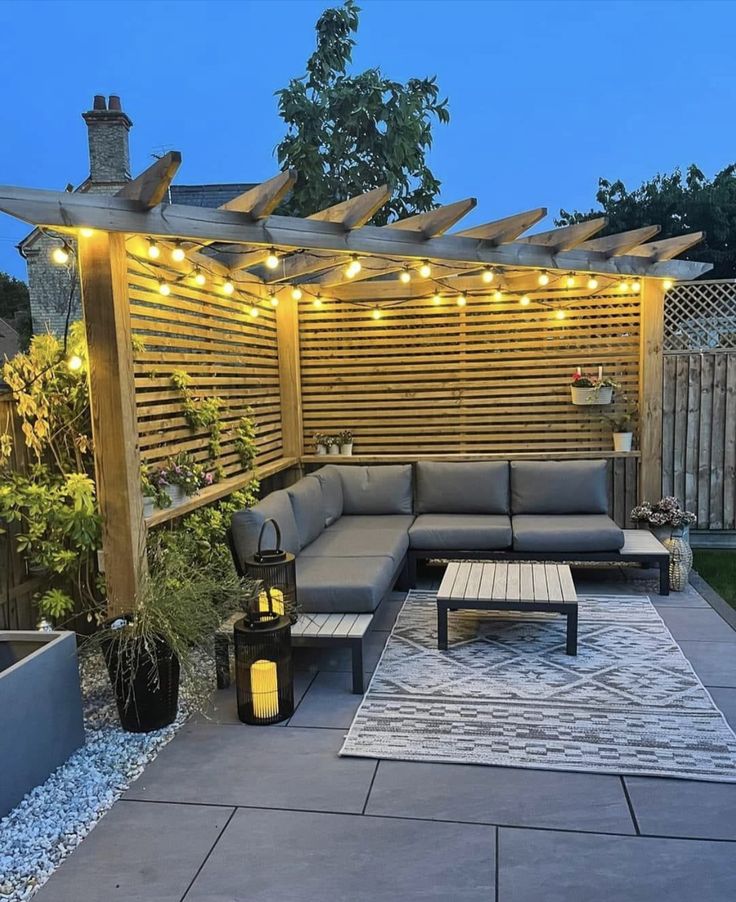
(103, 273)
(651, 339)
(290, 379)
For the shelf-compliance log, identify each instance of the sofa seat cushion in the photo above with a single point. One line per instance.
(342, 585)
(380, 489)
(339, 541)
(462, 487)
(246, 526)
(377, 521)
(461, 532)
(566, 532)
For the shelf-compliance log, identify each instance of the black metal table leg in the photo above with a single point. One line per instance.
(664, 577)
(441, 626)
(572, 631)
(357, 667)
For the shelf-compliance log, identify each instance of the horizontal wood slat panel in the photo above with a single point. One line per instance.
(490, 377)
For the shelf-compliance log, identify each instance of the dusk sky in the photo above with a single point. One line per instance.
(545, 97)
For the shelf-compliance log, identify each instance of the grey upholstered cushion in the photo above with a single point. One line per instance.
(472, 487)
(559, 487)
(308, 507)
(376, 490)
(348, 541)
(377, 521)
(461, 532)
(344, 585)
(246, 525)
(331, 484)
(567, 532)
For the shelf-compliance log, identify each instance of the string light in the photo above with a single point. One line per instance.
(405, 275)
(376, 314)
(154, 251)
(436, 299)
(74, 363)
(425, 270)
(635, 285)
(524, 300)
(667, 284)
(177, 253)
(228, 287)
(592, 283)
(296, 294)
(61, 254)
(498, 295)
(488, 275)
(560, 314)
(570, 280)
(86, 233)
(624, 286)
(199, 276)
(254, 311)
(164, 288)
(461, 300)
(273, 299)
(543, 278)
(272, 261)
(317, 302)
(353, 268)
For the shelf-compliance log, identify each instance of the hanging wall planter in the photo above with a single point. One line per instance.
(588, 389)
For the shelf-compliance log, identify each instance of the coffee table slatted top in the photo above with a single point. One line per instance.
(507, 581)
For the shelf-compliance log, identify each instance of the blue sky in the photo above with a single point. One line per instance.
(545, 96)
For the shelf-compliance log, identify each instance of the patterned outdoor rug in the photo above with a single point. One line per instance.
(506, 693)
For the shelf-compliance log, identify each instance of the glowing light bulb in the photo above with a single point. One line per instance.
(154, 251)
(498, 295)
(164, 288)
(317, 302)
(273, 300)
(570, 280)
(461, 300)
(488, 275)
(524, 300)
(74, 363)
(254, 311)
(296, 294)
(667, 284)
(376, 313)
(177, 253)
(353, 268)
(624, 286)
(199, 277)
(272, 261)
(543, 278)
(560, 314)
(86, 233)
(436, 299)
(228, 287)
(635, 285)
(592, 283)
(425, 270)
(405, 275)
(60, 254)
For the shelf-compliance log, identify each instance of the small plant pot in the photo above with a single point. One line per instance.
(587, 396)
(148, 506)
(622, 441)
(334, 450)
(321, 449)
(176, 493)
(146, 689)
(347, 450)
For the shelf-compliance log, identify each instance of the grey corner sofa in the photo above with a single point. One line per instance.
(356, 530)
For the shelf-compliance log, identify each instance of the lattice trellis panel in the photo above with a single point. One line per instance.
(700, 316)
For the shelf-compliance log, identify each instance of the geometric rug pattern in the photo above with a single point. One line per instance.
(505, 693)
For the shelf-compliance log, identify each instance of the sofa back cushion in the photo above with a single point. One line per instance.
(559, 487)
(246, 526)
(308, 507)
(376, 490)
(466, 487)
(329, 479)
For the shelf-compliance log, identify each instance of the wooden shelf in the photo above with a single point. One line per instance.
(411, 458)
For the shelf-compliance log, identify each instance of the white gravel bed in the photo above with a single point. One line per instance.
(55, 817)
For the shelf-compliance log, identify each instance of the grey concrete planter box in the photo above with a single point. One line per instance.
(40, 709)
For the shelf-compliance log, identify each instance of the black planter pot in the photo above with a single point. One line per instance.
(146, 689)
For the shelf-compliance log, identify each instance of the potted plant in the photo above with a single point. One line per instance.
(587, 388)
(333, 444)
(181, 478)
(623, 425)
(320, 443)
(665, 518)
(153, 491)
(345, 440)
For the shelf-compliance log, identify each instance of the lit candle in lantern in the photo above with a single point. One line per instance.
(264, 688)
(277, 601)
(600, 372)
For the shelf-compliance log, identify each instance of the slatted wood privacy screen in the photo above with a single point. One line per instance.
(228, 354)
(490, 378)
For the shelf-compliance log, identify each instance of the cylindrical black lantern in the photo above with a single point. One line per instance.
(263, 670)
(275, 569)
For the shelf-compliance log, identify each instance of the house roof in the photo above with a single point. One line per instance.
(207, 195)
(9, 340)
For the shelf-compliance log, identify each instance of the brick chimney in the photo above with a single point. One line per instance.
(107, 129)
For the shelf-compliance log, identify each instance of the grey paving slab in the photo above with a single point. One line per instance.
(257, 766)
(501, 795)
(549, 866)
(726, 701)
(385, 616)
(223, 707)
(139, 852)
(697, 625)
(340, 659)
(304, 857)
(684, 808)
(329, 702)
(714, 662)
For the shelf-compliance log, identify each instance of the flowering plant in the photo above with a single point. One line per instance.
(665, 512)
(589, 380)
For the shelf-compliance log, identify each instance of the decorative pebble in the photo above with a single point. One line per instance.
(54, 818)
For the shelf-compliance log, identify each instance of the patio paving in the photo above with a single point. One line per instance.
(228, 812)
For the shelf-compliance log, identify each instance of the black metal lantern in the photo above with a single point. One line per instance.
(264, 676)
(275, 569)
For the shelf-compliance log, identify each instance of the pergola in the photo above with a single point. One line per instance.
(258, 263)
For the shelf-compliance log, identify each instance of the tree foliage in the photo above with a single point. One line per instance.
(679, 204)
(15, 306)
(349, 133)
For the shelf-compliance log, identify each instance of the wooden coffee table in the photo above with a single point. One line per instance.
(508, 586)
